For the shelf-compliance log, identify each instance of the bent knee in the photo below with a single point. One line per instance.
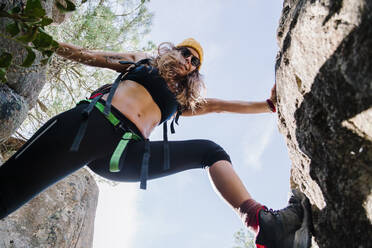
(214, 153)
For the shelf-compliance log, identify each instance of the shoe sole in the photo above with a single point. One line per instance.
(302, 237)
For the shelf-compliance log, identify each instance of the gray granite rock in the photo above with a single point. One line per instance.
(13, 111)
(324, 84)
(61, 216)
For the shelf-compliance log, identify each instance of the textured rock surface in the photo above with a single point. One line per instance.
(62, 216)
(20, 92)
(13, 110)
(324, 79)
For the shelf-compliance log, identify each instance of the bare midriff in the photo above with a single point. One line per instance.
(136, 103)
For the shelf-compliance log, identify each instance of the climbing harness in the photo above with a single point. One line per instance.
(119, 154)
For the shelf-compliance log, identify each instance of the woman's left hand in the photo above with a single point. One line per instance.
(273, 94)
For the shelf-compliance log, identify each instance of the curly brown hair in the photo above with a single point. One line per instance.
(189, 89)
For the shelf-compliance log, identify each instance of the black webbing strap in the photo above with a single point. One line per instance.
(172, 127)
(175, 119)
(84, 124)
(166, 165)
(145, 165)
(111, 94)
(115, 85)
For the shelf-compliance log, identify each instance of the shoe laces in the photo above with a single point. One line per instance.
(271, 211)
(295, 208)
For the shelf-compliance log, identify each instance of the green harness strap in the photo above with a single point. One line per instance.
(115, 158)
(128, 136)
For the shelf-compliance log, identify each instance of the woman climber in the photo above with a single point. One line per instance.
(109, 133)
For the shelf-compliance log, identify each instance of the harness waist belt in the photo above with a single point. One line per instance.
(119, 152)
(128, 135)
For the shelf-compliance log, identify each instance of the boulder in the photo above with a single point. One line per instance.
(61, 216)
(324, 86)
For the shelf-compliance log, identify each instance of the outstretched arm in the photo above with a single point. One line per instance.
(98, 58)
(213, 105)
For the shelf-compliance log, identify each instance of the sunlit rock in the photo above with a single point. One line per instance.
(324, 83)
(61, 216)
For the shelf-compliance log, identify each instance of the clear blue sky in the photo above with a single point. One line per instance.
(239, 41)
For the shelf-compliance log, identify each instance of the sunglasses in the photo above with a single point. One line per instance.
(185, 52)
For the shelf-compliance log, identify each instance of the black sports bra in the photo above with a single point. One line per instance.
(148, 76)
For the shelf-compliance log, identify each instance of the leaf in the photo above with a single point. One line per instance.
(46, 21)
(15, 10)
(48, 53)
(12, 29)
(30, 57)
(70, 6)
(29, 36)
(31, 20)
(34, 9)
(3, 75)
(45, 61)
(54, 45)
(42, 40)
(23, 26)
(5, 59)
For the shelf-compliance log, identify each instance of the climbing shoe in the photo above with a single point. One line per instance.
(286, 228)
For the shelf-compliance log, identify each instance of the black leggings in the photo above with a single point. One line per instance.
(46, 157)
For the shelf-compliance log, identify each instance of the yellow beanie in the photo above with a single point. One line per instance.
(190, 42)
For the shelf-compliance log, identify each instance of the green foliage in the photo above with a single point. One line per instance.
(34, 9)
(115, 25)
(26, 26)
(5, 59)
(29, 35)
(45, 21)
(30, 58)
(42, 40)
(2, 74)
(244, 239)
(13, 29)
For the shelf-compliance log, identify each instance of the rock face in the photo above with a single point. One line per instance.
(324, 85)
(61, 216)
